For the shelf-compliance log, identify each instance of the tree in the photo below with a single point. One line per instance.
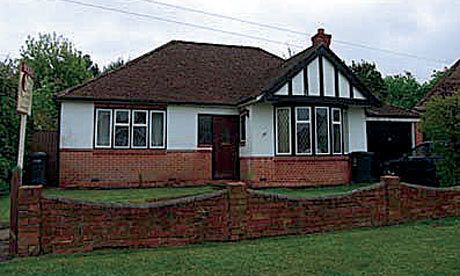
(58, 66)
(113, 65)
(9, 121)
(371, 77)
(441, 124)
(403, 90)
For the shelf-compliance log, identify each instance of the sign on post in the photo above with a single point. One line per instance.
(24, 105)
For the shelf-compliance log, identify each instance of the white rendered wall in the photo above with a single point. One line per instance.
(328, 78)
(259, 131)
(344, 87)
(182, 124)
(357, 129)
(283, 90)
(298, 84)
(313, 78)
(76, 123)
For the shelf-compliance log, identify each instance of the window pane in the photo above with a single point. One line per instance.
(303, 114)
(336, 115)
(282, 125)
(322, 138)
(156, 131)
(122, 117)
(303, 138)
(337, 130)
(243, 128)
(121, 136)
(139, 136)
(204, 130)
(140, 117)
(103, 128)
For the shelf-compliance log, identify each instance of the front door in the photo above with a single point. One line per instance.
(225, 147)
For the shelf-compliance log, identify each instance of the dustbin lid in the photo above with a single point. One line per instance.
(38, 155)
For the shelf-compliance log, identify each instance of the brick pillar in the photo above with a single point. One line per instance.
(29, 220)
(392, 198)
(238, 204)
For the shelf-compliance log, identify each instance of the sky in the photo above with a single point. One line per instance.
(429, 30)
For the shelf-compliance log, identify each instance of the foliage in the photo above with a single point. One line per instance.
(113, 65)
(58, 66)
(436, 76)
(9, 120)
(372, 78)
(403, 90)
(423, 248)
(441, 123)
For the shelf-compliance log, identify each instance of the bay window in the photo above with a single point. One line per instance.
(309, 130)
(283, 130)
(303, 130)
(322, 130)
(336, 131)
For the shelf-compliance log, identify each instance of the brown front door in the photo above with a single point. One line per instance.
(225, 147)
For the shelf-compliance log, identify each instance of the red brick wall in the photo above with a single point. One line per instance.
(274, 215)
(418, 134)
(53, 225)
(121, 168)
(72, 226)
(295, 171)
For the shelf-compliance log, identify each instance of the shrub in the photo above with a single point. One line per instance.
(441, 124)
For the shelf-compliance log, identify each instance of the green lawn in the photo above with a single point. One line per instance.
(134, 195)
(312, 191)
(429, 248)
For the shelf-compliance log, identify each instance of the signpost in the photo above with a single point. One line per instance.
(24, 106)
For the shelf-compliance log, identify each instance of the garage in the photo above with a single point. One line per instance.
(391, 132)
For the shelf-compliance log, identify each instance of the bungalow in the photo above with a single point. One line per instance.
(194, 112)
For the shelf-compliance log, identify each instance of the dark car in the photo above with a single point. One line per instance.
(417, 167)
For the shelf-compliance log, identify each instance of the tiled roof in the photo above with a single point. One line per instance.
(185, 72)
(445, 87)
(391, 111)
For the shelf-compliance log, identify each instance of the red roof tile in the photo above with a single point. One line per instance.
(446, 87)
(185, 72)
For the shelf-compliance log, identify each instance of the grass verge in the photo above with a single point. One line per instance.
(429, 247)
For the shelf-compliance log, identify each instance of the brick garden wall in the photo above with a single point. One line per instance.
(125, 168)
(53, 225)
(295, 171)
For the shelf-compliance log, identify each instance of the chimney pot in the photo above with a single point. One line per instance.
(321, 38)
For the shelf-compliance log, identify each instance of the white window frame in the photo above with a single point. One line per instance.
(328, 131)
(245, 117)
(303, 122)
(146, 125)
(150, 129)
(340, 123)
(115, 124)
(96, 128)
(276, 131)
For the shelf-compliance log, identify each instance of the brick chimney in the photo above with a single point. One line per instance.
(321, 38)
